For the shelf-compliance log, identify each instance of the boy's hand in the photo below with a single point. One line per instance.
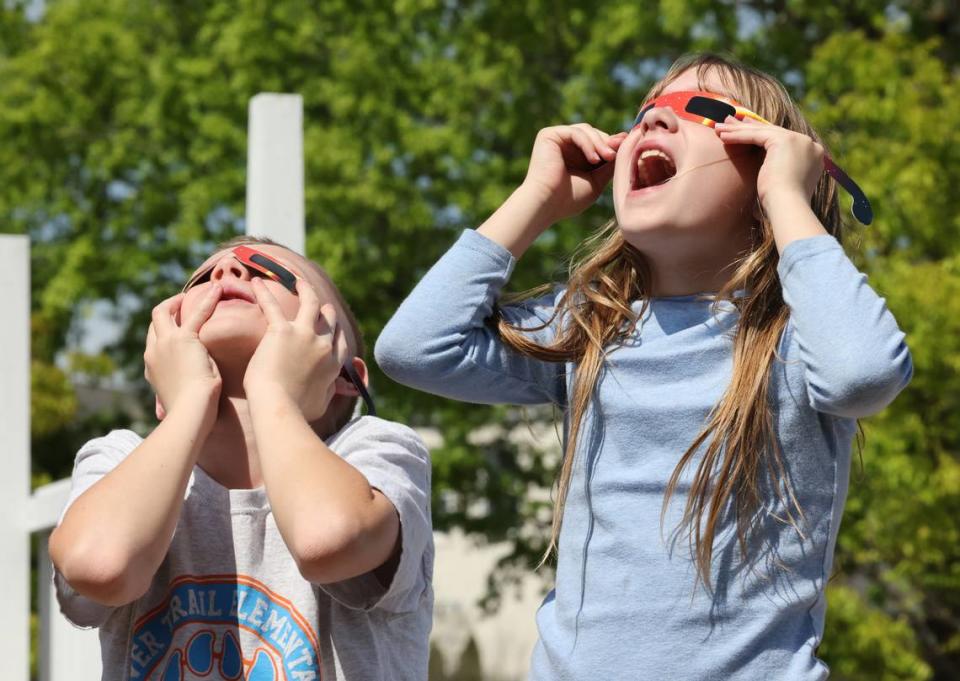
(570, 165)
(299, 359)
(176, 364)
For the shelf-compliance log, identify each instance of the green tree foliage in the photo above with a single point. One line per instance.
(123, 157)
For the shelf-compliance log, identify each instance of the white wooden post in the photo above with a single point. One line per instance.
(15, 445)
(63, 651)
(275, 208)
(77, 651)
(275, 169)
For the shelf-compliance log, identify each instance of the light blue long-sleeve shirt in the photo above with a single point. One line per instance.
(625, 604)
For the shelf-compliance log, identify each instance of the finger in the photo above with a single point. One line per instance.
(758, 135)
(268, 303)
(615, 141)
(163, 313)
(601, 177)
(148, 351)
(151, 336)
(599, 138)
(204, 309)
(583, 142)
(327, 322)
(341, 348)
(309, 304)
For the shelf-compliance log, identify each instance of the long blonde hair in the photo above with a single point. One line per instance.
(594, 314)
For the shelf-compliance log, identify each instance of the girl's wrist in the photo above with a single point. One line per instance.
(520, 219)
(535, 194)
(791, 217)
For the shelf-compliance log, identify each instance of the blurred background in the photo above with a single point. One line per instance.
(123, 155)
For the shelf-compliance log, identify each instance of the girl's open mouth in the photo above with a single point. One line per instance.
(651, 168)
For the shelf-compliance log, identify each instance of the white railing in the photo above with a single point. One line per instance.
(63, 652)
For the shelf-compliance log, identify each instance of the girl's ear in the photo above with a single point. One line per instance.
(343, 385)
(161, 412)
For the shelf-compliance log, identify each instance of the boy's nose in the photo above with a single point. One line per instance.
(228, 266)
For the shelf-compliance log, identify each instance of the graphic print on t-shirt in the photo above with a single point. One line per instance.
(196, 633)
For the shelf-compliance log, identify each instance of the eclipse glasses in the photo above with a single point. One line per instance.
(260, 264)
(709, 109)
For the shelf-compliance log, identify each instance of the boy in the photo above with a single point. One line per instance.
(258, 532)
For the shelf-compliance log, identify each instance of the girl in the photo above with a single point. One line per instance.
(712, 352)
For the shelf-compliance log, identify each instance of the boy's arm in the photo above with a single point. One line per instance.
(335, 524)
(115, 535)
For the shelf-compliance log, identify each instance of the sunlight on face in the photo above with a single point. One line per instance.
(237, 324)
(707, 206)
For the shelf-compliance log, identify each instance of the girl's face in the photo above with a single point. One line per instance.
(707, 208)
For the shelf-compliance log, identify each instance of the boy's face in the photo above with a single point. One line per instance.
(237, 324)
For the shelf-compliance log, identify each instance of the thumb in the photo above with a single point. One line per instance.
(601, 177)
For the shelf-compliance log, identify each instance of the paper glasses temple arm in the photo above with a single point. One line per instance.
(350, 374)
(861, 204)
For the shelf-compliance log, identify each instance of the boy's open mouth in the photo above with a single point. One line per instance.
(232, 291)
(651, 167)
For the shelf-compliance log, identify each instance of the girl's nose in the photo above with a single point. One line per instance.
(659, 117)
(228, 266)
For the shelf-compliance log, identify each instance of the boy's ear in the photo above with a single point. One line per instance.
(343, 386)
(161, 412)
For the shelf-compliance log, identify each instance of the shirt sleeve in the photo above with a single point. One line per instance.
(441, 339)
(94, 460)
(395, 461)
(854, 355)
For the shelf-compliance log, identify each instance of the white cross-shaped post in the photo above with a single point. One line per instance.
(275, 209)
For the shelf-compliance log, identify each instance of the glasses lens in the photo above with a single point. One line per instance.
(713, 109)
(643, 111)
(198, 278)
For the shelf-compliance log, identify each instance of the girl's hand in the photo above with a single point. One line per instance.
(569, 167)
(295, 359)
(793, 163)
(176, 364)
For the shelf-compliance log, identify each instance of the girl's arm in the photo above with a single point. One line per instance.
(441, 339)
(115, 535)
(854, 354)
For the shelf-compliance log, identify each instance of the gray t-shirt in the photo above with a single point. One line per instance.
(228, 601)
